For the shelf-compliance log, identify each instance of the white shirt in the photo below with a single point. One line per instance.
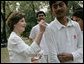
(33, 34)
(82, 33)
(62, 39)
(19, 51)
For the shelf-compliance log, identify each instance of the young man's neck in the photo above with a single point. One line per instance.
(63, 20)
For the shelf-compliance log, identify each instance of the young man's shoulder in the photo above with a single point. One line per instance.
(35, 27)
(76, 26)
(50, 25)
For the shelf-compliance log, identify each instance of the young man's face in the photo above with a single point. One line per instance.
(41, 17)
(59, 9)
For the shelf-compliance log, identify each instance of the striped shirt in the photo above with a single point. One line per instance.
(64, 39)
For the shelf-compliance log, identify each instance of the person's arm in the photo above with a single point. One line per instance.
(64, 57)
(39, 35)
(78, 54)
(23, 49)
(42, 25)
(52, 48)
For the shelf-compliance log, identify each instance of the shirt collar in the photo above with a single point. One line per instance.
(59, 25)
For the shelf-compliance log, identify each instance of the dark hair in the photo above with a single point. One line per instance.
(79, 13)
(14, 18)
(52, 2)
(79, 8)
(40, 12)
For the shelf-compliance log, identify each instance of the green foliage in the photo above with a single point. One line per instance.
(30, 8)
(73, 5)
(30, 22)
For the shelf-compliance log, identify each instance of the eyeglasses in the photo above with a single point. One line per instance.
(56, 5)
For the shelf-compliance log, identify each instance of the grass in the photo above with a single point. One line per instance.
(4, 55)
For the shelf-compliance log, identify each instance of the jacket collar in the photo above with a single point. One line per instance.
(59, 25)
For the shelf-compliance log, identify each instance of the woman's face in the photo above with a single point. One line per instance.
(20, 26)
(79, 20)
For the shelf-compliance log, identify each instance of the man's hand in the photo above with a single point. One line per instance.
(63, 57)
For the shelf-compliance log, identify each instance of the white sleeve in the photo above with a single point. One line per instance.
(22, 48)
(78, 54)
(52, 54)
(33, 33)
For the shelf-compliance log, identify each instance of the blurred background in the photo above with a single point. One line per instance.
(30, 8)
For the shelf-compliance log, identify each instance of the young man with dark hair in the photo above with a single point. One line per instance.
(78, 17)
(63, 36)
(40, 12)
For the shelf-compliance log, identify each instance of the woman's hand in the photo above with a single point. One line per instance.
(42, 25)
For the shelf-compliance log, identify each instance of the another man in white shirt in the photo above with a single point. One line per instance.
(40, 16)
(63, 36)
